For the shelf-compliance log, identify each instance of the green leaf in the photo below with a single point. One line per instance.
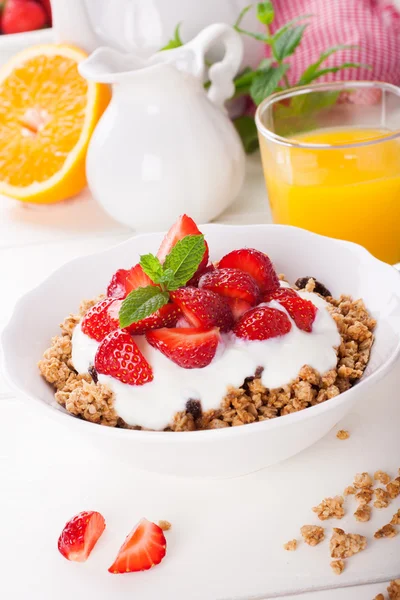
(141, 303)
(176, 41)
(241, 16)
(152, 267)
(265, 82)
(265, 12)
(247, 130)
(287, 43)
(279, 32)
(347, 65)
(313, 68)
(184, 259)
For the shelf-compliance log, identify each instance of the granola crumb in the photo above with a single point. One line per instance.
(291, 545)
(394, 589)
(363, 480)
(363, 513)
(386, 531)
(382, 498)
(364, 496)
(382, 477)
(337, 566)
(342, 434)
(396, 518)
(344, 545)
(394, 488)
(379, 597)
(165, 525)
(330, 508)
(312, 534)
(349, 490)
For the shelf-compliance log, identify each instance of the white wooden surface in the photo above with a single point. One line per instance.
(227, 536)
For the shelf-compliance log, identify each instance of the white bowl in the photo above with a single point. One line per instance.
(12, 43)
(344, 267)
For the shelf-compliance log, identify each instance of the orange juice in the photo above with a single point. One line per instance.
(350, 193)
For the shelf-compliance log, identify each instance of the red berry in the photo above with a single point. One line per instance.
(302, 311)
(280, 293)
(119, 356)
(144, 548)
(232, 283)
(80, 535)
(124, 281)
(262, 323)
(166, 316)
(101, 319)
(202, 308)
(255, 263)
(116, 287)
(188, 347)
(184, 226)
(22, 15)
(47, 7)
(238, 307)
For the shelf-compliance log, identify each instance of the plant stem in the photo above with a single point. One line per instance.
(286, 80)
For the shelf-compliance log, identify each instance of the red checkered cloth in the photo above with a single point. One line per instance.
(372, 25)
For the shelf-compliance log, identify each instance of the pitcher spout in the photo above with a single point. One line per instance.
(106, 65)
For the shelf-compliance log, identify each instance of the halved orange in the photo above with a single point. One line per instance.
(48, 112)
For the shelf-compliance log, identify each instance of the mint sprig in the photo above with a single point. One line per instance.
(179, 267)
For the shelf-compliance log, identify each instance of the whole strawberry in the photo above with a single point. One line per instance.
(22, 15)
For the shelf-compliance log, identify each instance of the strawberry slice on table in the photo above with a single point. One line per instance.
(232, 283)
(302, 311)
(119, 356)
(126, 280)
(255, 263)
(184, 226)
(101, 319)
(202, 308)
(262, 323)
(188, 347)
(166, 316)
(80, 535)
(144, 548)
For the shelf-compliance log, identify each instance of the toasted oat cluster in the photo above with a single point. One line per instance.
(342, 434)
(337, 566)
(394, 590)
(382, 477)
(330, 508)
(312, 534)
(83, 397)
(386, 531)
(344, 545)
(290, 546)
(363, 513)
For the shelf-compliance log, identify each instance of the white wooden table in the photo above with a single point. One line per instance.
(227, 536)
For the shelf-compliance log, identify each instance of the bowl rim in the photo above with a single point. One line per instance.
(198, 435)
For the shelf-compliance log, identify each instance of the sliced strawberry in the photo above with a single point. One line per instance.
(262, 323)
(280, 293)
(302, 311)
(238, 307)
(144, 548)
(203, 308)
(196, 277)
(80, 535)
(255, 263)
(181, 322)
(184, 226)
(101, 319)
(188, 347)
(232, 283)
(166, 316)
(126, 280)
(22, 15)
(119, 356)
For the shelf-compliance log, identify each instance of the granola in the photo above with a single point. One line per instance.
(386, 531)
(337, 566)
(382, 498)
(393, 488)
(252, 402)
(363, 480)
(364, 496)
(165, 525)
(344, 545)
(382, 477)
(291, 545)
(394, 590)
(342, 434)
(396, 518)
(312, 534)
(330, 508)
(349, 490)
(363, 513)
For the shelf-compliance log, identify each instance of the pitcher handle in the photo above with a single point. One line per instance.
(221, 74)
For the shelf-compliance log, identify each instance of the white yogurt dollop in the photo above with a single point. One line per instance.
(154, 404)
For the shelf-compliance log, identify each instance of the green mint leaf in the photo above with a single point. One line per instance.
(241, 16)
(265, 82)
(141, 303)
(184, 259)
(302, 114)
(265, 12)
(247, 130)
(308, 74)
(311, 77)
(287, 43)
(152, 267)
(176, 41)
(279, 32)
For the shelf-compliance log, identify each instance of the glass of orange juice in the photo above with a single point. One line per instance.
(331, 159)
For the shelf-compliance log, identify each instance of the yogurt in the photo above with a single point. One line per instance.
(154, 404)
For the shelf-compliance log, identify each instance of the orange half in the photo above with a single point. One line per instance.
(48, 112)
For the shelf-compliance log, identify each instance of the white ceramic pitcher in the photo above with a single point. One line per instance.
(165, 145)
